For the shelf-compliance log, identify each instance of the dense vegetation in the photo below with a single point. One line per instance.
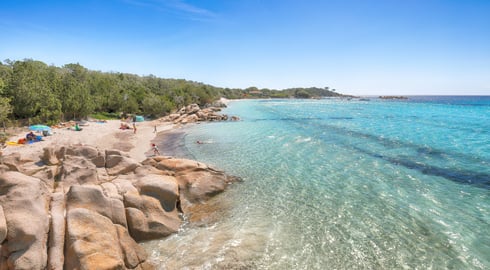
(33, 90)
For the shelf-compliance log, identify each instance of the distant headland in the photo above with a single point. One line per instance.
(393, 97)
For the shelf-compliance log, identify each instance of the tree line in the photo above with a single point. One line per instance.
(42, 93)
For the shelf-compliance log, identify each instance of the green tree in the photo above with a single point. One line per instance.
(75, 95)
(302, 94)
(154, 105)
(30, 92)
(5, 109)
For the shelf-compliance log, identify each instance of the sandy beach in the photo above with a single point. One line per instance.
(105, 135)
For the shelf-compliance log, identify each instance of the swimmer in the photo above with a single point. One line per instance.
(155, 149)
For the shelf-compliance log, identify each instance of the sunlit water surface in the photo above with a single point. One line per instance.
(343, 184)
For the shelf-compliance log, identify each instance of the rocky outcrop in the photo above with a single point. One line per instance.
(3, 225)
(25, 201)
(193, 113)
(197, 181)
(82, 208)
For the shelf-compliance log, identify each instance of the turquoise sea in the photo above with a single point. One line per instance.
(343, 184)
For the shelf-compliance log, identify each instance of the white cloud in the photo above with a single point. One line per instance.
(176, 6)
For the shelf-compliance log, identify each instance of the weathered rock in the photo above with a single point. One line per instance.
(190, 119)
(197, 181)
(192, 108)
(3, 225)
(202, 116)
(201, 185)
(55, 155)
(181, 111)
(116, 164)
(175, 164)
(110, 190)
(149, 168)
(192, 113)
(88, 152)
(31, 168)
(115, 152)
(125, 186)
(56, 243)
(47, 175)
(49, 156)
(147, 219)
(92, 241)
(15, 162)
(25, 204)
(78, 171)
(110, 200)
(180, 119)
(163, 188)
(173, 116)
(133, 253)
(99, 161)
(92, 198)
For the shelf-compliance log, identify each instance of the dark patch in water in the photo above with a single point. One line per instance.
(424, 153)
(481, 180)
(286, 119)
(341, 118)
(430, 152)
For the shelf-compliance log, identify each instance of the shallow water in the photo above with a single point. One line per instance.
(336, 184)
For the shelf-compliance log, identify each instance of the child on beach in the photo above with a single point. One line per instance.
(155, 149)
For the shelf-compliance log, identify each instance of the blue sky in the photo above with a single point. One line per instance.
(355, 46)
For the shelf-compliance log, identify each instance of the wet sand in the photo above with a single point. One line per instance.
(172, 143)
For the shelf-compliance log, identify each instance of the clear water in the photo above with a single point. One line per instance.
(337, 184)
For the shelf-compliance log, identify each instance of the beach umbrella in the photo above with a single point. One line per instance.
(39, 128)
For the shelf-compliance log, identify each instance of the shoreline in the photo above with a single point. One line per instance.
(171, 143)
(104, 182)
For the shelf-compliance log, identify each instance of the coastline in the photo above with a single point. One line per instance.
(106, 176)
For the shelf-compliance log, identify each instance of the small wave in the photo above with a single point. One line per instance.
(300, 139)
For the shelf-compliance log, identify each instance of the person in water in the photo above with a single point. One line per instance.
(155, 149)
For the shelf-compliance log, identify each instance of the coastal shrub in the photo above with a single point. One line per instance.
(47, 94)
(104, 116)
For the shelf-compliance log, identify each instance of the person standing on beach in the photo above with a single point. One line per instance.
(134, 124)
(155, 129)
